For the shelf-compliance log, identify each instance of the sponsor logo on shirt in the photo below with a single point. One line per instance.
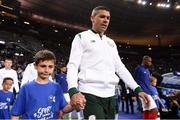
(3, 105)
(44, 113)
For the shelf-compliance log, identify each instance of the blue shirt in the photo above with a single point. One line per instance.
(155, 95)
(142, 77)
(62, 81)
(6, 99)
(39, 101)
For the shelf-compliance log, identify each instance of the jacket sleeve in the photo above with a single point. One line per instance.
(16, 85)
(122, 71)
(74, 62)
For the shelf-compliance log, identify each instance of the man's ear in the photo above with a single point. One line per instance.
(92, 19)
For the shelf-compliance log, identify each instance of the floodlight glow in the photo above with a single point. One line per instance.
(178, 7)
(2, 42)
(163, 5)
(27, 23)
(139, 1)
(144, 3)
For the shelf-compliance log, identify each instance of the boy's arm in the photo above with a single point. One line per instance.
(14, 117)
(68, 108)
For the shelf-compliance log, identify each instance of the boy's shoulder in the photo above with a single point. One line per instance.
(9, 93)
(32, 83)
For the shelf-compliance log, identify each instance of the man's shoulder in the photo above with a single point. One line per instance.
(85, 32)
(110, 41)
(139, 68)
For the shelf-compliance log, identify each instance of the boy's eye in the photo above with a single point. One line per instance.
(43, 66)
(50, 66)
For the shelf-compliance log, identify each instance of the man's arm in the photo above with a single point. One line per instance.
(126, 76)
(77, 99)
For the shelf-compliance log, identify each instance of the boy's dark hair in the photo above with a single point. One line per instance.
(7, 78)
(43, 55)
(94, 11)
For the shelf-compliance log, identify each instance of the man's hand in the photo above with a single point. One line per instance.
(145, 98)
(78, 101)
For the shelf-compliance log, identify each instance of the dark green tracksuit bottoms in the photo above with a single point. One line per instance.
(102, 108)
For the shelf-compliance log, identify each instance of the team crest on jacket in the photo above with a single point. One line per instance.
(52, 99)
(110, 43)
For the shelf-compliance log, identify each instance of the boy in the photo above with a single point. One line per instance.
(41, 98)
(155, 93)
(6, 98)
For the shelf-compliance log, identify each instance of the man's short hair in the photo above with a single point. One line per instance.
(96, 9)
(7, 78)
(43, 55)
(146, 57)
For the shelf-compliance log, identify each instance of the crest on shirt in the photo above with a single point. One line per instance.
(110, 43)
(52, 98)
(8, 99)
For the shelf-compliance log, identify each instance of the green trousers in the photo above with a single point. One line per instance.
(102, 108)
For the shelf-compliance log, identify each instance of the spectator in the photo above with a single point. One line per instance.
(6, 98)
(7, 71)
(142, 77)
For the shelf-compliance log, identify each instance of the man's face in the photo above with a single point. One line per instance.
(7, 85)
(100, 21)
(45, 69)
(8, 64)
(148, 62)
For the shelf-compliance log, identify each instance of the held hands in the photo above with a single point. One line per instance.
(145, 98)
(78, 101)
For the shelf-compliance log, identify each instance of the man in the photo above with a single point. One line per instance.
(93, 65)
(7, 71)
(142, 77)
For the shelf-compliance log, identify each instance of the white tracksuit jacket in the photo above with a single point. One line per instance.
(92, 65)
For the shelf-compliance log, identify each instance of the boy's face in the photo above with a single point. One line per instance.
(154, 82)
(45, 69)
(63, 69)
(7, 85)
